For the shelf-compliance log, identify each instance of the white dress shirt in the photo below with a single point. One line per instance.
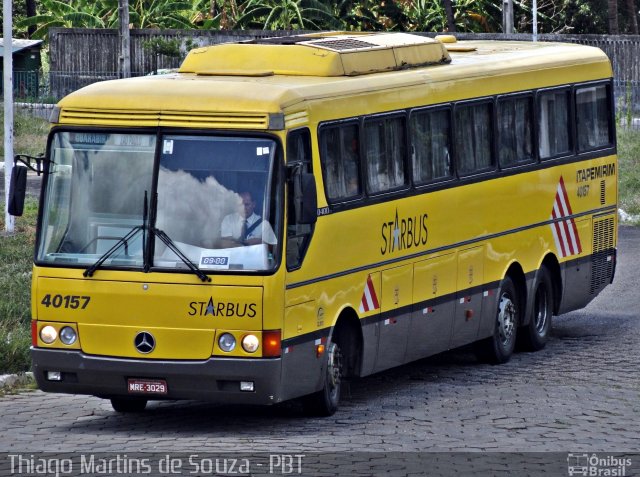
(232, 227)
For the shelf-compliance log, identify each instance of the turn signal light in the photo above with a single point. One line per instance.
(34, 333)
(271, 344)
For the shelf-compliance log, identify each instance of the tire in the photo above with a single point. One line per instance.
(325, 402)
(534, 336)
(499, 347)
(128, 404)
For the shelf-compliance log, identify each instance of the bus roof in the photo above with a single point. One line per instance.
(247, 85)
(317, 55)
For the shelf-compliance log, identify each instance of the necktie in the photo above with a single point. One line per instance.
(243, 232)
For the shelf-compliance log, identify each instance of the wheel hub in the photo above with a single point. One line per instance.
(334, 365)
(506, 318)
(541, 310)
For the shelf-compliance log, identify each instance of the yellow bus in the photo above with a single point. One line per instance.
(283, 214)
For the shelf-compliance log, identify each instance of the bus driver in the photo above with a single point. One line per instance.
(246, 227)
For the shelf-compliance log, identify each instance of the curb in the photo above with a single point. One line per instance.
(11, 381)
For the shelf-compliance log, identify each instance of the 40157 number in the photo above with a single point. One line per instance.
(66, 301)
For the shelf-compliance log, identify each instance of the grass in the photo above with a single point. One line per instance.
(29, 134)
(629, 163)
(16, 252)
(23, 382)
(16, 256)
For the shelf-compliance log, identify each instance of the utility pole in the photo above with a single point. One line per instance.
(535, 20)
(507, 16)
(125, 50)
(7, 28)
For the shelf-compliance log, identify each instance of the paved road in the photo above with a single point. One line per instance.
(580, 394)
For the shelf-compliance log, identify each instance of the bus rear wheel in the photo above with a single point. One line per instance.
(534, 336)
(325, 402)
(128, 404)
(499, 347)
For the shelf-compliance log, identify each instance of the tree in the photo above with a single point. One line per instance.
(74, 13)
(160, 46)
(633, 16)
(555, 16)
(31, 12)
(286, 15)
(613, 17)
(227, 13)
(357, 15)
(161, 14)
(448, 8)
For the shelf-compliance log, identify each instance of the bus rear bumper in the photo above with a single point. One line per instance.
(215, 379)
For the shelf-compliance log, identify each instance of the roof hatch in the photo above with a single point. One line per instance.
(328, 54)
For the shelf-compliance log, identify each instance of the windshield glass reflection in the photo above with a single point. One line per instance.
(95, 196)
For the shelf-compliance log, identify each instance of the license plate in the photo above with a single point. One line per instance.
(147, 386)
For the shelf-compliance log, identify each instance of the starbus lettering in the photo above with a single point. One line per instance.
(221, 308)
(404, 233)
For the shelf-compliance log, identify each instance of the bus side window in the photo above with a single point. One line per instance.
(593, 117)
(431, 143)
(553, 123)
(473, 138)
(515, 131)
(340, 154)
(298, 235)
(385, 149)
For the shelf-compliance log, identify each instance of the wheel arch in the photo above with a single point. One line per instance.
(517, 275)
(347, 333)
(551, 263)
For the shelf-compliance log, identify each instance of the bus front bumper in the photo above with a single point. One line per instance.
(215, 379)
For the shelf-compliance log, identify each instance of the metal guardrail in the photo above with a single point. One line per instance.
(26, 85)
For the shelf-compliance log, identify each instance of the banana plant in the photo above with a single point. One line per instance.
(73, 13)
(286, 15)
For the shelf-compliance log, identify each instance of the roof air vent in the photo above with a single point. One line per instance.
(342, 44)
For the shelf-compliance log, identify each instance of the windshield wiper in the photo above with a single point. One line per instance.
(122, 241)
(153, 231)
(125, 241)
(156, 232)
(172, 246)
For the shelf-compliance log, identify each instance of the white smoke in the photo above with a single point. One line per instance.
(191, 211)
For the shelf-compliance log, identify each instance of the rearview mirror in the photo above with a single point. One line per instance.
(305, 202)
(17, 190)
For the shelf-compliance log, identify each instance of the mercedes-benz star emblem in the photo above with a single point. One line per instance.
(144, 342)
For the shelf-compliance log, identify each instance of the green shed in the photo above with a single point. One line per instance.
(26, 67)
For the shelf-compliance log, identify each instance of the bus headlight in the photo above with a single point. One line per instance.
(48, 334)
(250, 343)
(68, 335)
(227, 342)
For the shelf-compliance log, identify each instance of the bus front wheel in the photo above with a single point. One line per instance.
(499, 347)
(325, 402)
(128, 404)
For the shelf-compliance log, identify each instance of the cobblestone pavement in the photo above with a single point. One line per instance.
(580, 394)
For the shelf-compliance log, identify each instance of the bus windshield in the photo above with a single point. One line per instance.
(212, 201)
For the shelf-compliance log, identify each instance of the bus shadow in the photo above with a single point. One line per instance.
(361, 397)
(182, 419)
